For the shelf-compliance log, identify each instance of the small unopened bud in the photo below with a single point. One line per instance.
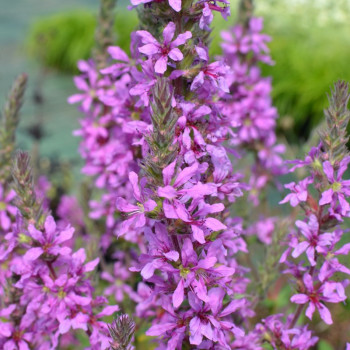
(122, 330)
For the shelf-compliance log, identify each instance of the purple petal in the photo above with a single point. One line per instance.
(310, 310)
(343, 165)
(299, 298)
(169, 31)
(169, 210)
(168, 173)
(343, 250)
(148, 271)
(159, 329)
(50, 226)
(202, 53)
(5, 329)
(80, 321)
(329, 171)
(33, 254)
(185, 175)
(300, 248)
(81, 84)
(175, 4)
(207, 263)
(200, 289)
(178, 295)
(176, 54)
(308, 281)
(188, 254)
(161, 64)
(90, 266)
(195, 333)
(172, 255)
(310, 253)
(326, 197)
(232, 307)
(65, 235)
(79, 299)
(214, 224)
(149, 205)
(168, 192)
(216, 296)
(325, 314)
(75, 98)
(118, 54)
(65, 326)
(125, 207)
(198, 234)
(147, 38)
(181, 39)
(108, 310)
(149, 49)
(134, 180)
(194, 302)
(198, 81)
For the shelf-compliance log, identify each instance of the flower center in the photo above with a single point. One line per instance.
(61, 293)
(184, 271)
(336, 186)
(17, 335)
(3, 205)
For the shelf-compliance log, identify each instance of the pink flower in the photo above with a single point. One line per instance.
(299, 192)
(161, 51)
(6, 209)
(48, 242)
(314, 296)
(338, 188)
(314, 240)
(137, 212)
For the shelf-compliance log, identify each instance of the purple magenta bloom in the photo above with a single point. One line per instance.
(299, 192)
(314, 240)
(331, 264)
(338, 188)
(197, 273)
(88, 83)
(6, 209)
(314, 296)
(137, 212)
(161, 51)
(48, 242)
(210, 75)
(209, 319)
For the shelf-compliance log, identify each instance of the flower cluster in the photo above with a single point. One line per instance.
(248, 104)
(323, 197)
(49, 292)
(158, 129)
(45, 287)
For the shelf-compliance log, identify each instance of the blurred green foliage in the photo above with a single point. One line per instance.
(311, 48)
(59, 41)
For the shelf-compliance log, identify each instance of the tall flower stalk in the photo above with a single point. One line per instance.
(323, 198)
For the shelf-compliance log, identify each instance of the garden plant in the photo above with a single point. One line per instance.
(192, 229)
